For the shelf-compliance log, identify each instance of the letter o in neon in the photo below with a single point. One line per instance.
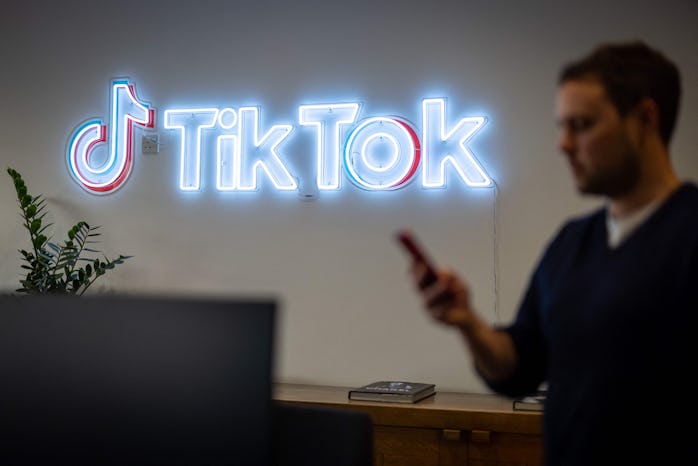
(369, 171)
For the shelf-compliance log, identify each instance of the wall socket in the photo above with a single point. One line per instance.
(150, 144)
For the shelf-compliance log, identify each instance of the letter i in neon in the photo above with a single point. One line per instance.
(102, 176)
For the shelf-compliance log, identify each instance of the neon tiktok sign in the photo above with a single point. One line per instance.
(375, 153)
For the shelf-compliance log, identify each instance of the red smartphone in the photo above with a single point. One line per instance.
(410, 243)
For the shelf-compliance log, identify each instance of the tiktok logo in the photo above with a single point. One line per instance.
(376, 153)
(102, 175)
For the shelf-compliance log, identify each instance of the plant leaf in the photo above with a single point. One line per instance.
(35, 225)
(50, 267)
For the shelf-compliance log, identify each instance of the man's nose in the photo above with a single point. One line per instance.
(566, 143)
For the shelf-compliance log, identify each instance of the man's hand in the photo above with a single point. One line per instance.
(447, 299)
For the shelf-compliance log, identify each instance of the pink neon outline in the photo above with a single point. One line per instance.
(417, 149)
(415, 141)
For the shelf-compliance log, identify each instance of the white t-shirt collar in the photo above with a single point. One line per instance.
(619, 229)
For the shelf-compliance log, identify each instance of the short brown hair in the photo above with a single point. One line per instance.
(630, 72)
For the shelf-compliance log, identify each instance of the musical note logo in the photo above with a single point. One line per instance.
(102, 172)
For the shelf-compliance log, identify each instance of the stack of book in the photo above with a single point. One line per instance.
(534, 402)
(393, 391)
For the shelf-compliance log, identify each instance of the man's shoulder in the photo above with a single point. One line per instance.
(582, 223)
(690, 186)
(681, 207)
(687, 193)
(685, 198)
(579, 231)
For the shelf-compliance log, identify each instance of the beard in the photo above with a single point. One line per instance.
(611, 184)
(612, 180)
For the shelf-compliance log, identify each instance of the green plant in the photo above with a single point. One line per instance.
(54, 268)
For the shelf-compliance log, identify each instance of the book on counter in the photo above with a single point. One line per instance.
(534, 402)
(393, 391)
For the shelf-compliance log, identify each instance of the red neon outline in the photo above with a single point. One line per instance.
(126, 170)
(128, 163)
(417, 150)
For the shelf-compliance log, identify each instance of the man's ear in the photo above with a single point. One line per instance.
(647, 112)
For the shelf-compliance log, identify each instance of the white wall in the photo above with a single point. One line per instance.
(348, 314)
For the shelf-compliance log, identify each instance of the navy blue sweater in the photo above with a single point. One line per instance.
(613, 333)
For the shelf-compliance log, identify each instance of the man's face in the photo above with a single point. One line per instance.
(600, 146)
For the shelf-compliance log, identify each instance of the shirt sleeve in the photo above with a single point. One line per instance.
(530, 346)
(527, 330)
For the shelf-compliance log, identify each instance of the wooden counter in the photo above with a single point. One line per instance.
(444, 429)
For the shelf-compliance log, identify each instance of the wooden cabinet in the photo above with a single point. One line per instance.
(446, 429)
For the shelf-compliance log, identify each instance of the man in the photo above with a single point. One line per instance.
(608, 319)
